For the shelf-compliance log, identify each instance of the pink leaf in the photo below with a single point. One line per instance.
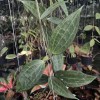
(10, 84)
(48, 70)
(3, 89)
(4, 86)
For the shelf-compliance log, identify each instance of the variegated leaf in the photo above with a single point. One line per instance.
(58, 87)
(31, 6)
(54, 20)
(58, 62)
(30, 75)
(64, 7)
(51, 9)
(74, 78)
(64, 33)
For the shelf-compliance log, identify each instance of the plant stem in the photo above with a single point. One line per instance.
(25, 95)
(14, 35)
(43, 37)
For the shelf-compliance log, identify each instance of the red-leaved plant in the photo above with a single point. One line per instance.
(6, 85)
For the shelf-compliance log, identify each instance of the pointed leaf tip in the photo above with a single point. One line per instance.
(63, 35)
(74, 78)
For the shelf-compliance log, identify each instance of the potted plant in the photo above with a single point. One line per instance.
(18, 59)
(86, 57)
(87, 49)
(71, 57)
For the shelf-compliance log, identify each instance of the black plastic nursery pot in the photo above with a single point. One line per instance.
(22, 59)
(43, 52)
(80, 41)
(2, 60)
(86, 60)
(71, 60)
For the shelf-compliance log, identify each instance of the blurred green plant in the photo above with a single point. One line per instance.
(86, 47)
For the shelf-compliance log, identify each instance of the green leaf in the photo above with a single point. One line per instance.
(54, 20)
(10, 56)
(24, 34)
(64, 34)
(30, 75)
(48, 34)
(58, 62)
(71, 49)
(32, 33)
(64, 7)
(4, 50)
(92, 42)
(74, 78)
(97, 15)
(97, 29)
(51, 9)
(88, 28)
(2, 80)
(31, 6)
(42, 80)
(58, 87)
(46, 58)
(97, 40)
(85, 48)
